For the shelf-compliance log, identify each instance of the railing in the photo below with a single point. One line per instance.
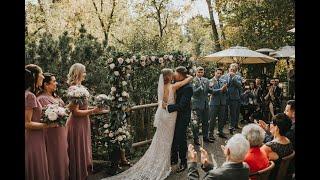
(133, 109)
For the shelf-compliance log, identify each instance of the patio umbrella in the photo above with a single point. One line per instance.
(238, 54)
(267, 50)
(293, 30)
(284, 52)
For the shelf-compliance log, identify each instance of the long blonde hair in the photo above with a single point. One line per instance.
(75, 73)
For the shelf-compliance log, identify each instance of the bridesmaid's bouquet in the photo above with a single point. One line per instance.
(77, 94)
(101, 100)
(53, 113)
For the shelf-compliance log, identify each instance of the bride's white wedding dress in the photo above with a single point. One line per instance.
(155, 164)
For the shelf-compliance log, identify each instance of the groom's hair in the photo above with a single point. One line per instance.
(182, 70)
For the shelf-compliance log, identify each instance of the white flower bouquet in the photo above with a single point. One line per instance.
(53, 113)
(77, 94)
(101, 100)
(119, 136)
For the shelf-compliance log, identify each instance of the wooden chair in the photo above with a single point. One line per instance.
(282, 171)
(264, 173)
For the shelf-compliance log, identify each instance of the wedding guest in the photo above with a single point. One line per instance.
(79, 130)
(36, 164)
(55, 138)
(278, 96)
(234, 167)
(280, 146)
(255, 158)
(234, 85)
(200, 105)
(218, 104)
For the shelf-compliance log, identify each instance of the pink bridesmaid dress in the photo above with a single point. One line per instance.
(79, 148)
(57, 144)
(36, 164)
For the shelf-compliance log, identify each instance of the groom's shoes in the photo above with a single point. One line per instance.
(182, 167)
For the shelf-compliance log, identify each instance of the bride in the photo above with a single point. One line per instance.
(155, 163)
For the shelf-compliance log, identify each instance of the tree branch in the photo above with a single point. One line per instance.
(101, 21)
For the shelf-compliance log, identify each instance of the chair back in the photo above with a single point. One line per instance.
(282, 171)
(263, 174)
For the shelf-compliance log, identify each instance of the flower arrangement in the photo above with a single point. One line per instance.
(118, 137)
(77, 94)
(101, 100)
(53, 113)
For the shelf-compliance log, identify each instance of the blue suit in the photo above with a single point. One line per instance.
(200, 105)
(233, 98)
(183, 107)
(218, 103)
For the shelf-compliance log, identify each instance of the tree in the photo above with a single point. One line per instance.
(215, 36)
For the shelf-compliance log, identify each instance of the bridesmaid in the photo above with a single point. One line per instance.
(79, 130)
(55, 138)
(36, 165)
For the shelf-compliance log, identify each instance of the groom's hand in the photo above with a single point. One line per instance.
(192, 154)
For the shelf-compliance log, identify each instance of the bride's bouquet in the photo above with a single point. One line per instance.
(77, 94)
(53, 113)
(101, 100)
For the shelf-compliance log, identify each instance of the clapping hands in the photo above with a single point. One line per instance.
(192, 154)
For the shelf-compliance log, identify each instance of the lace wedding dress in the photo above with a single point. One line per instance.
(155, 164)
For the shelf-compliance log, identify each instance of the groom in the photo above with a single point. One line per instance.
(183, 107)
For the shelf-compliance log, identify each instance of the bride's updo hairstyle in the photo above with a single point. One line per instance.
(166, 72)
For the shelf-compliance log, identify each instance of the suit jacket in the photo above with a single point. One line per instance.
(183, 103)
(228, 171)
(200, 93)
(218, 97)
(234, 86)
(278, 95)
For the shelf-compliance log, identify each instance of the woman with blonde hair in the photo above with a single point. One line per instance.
(79, 129)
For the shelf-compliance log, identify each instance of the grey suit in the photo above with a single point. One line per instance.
(228, 171)
(233, 97)
(200, 104)
(217, 105)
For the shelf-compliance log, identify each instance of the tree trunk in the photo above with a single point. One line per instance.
(101, 21)
(214, 27)
(45, 16)
(110, 21)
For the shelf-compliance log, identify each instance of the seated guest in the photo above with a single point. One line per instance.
(234, 168)
(280, 146)
(255, 158)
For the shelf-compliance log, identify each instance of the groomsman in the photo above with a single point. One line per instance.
(218, 104)
(234, 85)
(200, 105)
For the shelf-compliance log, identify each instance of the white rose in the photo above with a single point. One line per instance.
(124, 94)
(165, 57)
(194, 122)
(124, 136)
(143, 58)
(120, 60)
(113, 89)
(120, 99)
(112, 97)
(143, 63)
(192, 59)
(120, 138)
(184, 59)
(127, 133)
(128, 60)
(123, 108)
(161, 60)
(171, 57)
(120, 129)
(110, 60)
(52, 116)
(131, 60)
(111, 134)
(128, 75)
(116, 73)
(153, 58)
(106, 131)
(77, 94)
(124, 83)
(134, 57)
(61, 111)
(112, 66)
(106, 125)
(129, 66)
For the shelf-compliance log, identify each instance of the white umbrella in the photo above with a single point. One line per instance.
(262, 50)
(293, 30)
(238, 54)
(284, 52)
